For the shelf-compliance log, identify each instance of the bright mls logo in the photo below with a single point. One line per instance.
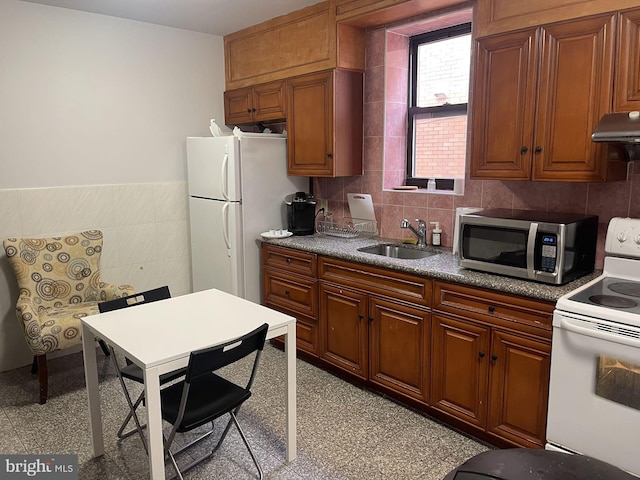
(52, 467)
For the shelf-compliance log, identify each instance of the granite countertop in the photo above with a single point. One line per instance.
(443, 266)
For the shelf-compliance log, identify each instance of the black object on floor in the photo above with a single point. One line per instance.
(531, 464)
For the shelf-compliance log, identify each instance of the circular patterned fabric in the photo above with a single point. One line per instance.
(59, 283)
(52, 268)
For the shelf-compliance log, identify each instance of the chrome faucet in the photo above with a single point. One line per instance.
(421, 232)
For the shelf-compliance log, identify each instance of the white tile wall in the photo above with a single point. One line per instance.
(146, 240)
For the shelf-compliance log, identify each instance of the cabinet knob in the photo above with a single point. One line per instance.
(494, 357)
(286, 292)
(253, 110)
(492, 309)
(370, 319)
(329, 155)
(248, 110)
(288, 260)
(538, 149)
(481, 354)
(524, 149)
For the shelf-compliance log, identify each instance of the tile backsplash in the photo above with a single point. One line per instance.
(146, 240)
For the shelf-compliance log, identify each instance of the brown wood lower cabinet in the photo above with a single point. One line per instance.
(344, 329)
(519, 388)
(475, 358)
(491, 361)
(376, 339)
(460, 369)
(289, 285)
(372, 336)
(399, 348)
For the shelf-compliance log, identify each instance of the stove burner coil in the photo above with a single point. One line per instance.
(631, 289)
(612, 301)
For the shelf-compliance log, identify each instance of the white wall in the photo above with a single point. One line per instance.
(94, 112)
(89, 99)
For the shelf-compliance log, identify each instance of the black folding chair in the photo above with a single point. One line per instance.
(132, 371)
(204, 396)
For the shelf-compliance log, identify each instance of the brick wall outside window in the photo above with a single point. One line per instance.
(441, 147)
(444, 78)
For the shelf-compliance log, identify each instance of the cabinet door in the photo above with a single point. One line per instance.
(503, 106)
(344, 329)
(269, 101)
(238, 106)
(627, 85)
(310, 125)
(316, 105)
(575, 90)
(519, 388)
(399, 348)
(460, 367)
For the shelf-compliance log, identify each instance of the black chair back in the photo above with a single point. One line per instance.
(205, 361)
(160, 293)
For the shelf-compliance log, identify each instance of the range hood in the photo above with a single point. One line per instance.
(623, 131)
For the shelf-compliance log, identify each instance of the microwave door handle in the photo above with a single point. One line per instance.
(531, 246)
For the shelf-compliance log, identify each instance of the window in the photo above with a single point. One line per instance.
(439, 63)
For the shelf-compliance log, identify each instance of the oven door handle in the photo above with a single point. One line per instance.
(531, 246)
(567, 324)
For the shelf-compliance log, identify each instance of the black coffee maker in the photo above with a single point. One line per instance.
(301, 213)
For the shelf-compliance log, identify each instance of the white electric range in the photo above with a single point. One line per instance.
(594, 392)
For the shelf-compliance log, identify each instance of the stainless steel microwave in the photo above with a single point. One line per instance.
(547, 247)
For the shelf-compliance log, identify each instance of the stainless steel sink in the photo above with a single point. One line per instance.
(396, 250)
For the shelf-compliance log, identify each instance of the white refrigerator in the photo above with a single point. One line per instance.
(237, 186)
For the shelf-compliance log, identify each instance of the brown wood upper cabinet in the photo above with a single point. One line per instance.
(325, 124)
(261, 103)
(499, 16)
(304, 41)
(627, 85)
(538, 95)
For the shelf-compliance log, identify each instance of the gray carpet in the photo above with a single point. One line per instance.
(344, 432)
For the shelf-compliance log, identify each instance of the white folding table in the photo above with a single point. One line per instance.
(159, 336)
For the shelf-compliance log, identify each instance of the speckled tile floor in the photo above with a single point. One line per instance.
(344, 432)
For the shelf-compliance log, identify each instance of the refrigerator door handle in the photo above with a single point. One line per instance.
(225, 178)
(225, 227)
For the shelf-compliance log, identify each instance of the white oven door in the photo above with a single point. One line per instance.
(594, 394)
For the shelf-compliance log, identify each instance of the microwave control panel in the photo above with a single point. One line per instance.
(548, 252)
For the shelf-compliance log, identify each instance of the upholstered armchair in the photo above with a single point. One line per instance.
(59, 283)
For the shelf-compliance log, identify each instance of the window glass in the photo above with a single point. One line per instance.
(440, 66)
(443, 71)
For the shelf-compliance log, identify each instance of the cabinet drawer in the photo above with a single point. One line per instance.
(306, 330)
(291, 261)
(297, 294)
(493, 307)
(396, 285)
